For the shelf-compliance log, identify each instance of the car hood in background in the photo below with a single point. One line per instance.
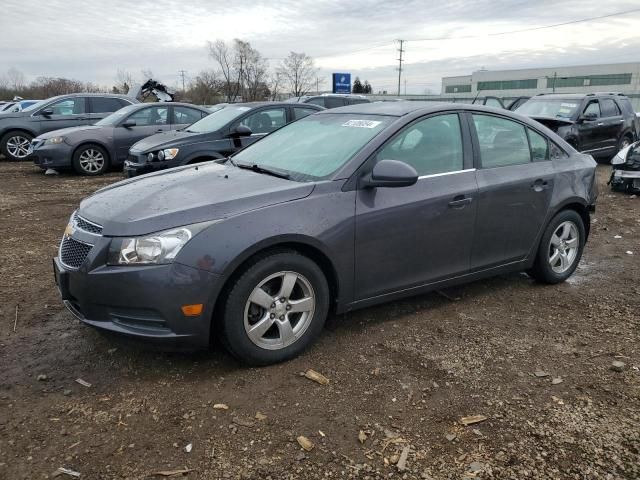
(183, 196)
(173, 138)
(8, 115)
(69, 131)
(553, 123)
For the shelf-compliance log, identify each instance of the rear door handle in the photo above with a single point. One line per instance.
(540, 185)
(460, 201)
(600, 124)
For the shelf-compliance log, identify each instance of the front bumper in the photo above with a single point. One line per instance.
(51, 156)
(137, 164)
(143, 301)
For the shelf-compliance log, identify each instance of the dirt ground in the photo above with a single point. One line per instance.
(534, 360)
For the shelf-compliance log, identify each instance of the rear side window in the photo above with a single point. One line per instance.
(432, 145)
(301, 112)
(334, 102)
(539, 146)
(354, 101)
(625, 105)
(317, 101)
(104, 104)
(609, 108)
(502, 142)
(186, 115)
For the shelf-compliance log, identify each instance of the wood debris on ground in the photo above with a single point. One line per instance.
(305, 443)
(472, 419)
(316, 377)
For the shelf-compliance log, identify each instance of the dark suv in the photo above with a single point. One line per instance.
(331, 100)
(600, 124)
(19, 128)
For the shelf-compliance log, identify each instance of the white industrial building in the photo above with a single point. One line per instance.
(614, 77)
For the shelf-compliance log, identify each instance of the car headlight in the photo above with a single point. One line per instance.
(54, 140)
(168, 153)
(154, 249)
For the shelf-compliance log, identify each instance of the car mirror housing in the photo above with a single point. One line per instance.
(241, 131)
(588, 117)
(128, 123)
(390, 173)
(46, 112)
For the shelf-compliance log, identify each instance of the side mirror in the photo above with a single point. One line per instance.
(241, 131)
(589, 117)
(128, 123)
(47, 112)
(390, 173)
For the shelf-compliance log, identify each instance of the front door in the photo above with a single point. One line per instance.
(515, 183)
(148, 121)
(68, 112)
(412, 236)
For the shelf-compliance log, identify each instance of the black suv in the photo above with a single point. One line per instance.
(600, 124)
(331, 100)
(19, 128)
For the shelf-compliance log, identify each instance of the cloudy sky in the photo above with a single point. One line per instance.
(91, 40)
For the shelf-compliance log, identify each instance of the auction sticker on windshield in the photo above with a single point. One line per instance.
(361, 123)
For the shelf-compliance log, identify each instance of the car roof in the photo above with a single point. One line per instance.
(177, 104)
(396, 109)
(264, 104)
(578, 95)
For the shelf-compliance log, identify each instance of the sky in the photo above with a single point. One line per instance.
(91, 40)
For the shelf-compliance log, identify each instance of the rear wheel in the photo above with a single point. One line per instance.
(275, 309)
(90, 160)
(560, 248)
(15, 145)
(624, 142)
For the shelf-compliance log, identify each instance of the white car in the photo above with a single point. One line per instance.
(625, 176)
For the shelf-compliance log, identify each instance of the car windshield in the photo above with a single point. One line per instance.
(218, 119)
(315, 147)
(117, 116)
(552, 108)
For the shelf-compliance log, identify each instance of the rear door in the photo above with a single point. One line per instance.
(613, 123)
(67, 112)
(149, 121)
(590, 131)
(515, 183)
(411, 236)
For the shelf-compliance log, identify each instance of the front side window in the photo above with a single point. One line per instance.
(502, 142)
(68, 106)
(592, 109)
(315, 147)
(186, 115)
(539, 146)
(265, 121)
(150, 116)
(432, 145)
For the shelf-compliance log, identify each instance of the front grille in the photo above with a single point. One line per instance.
(86, 225)
(73, 252)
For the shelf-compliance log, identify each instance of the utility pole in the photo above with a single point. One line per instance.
(555, 74)
(401, 50)
(317, 86)
(182, 73)
(405, 86)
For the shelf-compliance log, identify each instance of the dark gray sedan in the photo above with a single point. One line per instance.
(343, 209)
(92, 149)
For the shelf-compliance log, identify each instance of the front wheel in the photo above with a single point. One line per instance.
(15, 145)
(560, 248)
(90, 160)
(275, 309)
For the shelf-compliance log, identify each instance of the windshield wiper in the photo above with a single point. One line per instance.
(230, 160)
(257, 168)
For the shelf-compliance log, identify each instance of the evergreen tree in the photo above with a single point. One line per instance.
(367, 88)
(357, 86)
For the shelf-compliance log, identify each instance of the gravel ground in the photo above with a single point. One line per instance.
(534, 363)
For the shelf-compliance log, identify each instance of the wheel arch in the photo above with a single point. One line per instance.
(17, 130)
(580, 207)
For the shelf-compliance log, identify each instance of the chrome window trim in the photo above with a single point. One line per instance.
(433, 175)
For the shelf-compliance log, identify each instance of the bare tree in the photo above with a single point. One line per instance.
(206, 88)
(298, 72)
(275, 83)
(253, 71)
(124, 80)
(15, 79)
(220, 52)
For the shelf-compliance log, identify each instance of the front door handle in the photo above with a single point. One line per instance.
(600, 124)
(460, 201)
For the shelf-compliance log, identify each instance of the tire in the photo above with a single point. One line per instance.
(624, 142)
(14, 145)
(281, 334)
(90, 160)
(549, 268)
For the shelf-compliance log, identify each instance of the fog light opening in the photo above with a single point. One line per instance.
(192, 310)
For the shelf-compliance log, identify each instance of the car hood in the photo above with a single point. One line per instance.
(183, 196)
(69, 131)
(9, 115)
(553, 123)
(173, 138)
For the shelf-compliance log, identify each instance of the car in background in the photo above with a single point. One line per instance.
(600, 124)
(17, 106)
(331, 100)
(214, 137)
(19, 128)
(341, 210)
(93, 149)
(625, 175)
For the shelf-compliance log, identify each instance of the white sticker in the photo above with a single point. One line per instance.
(361, 123)
(570, 105)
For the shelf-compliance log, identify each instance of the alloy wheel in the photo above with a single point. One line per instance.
(563, 247)
(279, 310)
(18, 146)
(91, 160)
